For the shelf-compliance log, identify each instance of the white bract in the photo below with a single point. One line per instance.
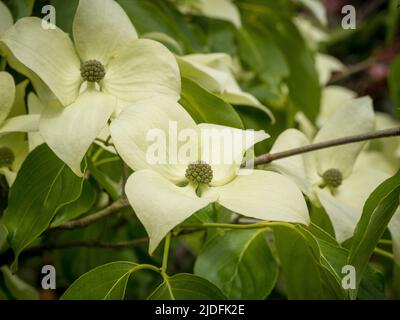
(385, 153)
(105, 69)
(329, 177)
(216, 9)
(164, 195)
(317, 8)
(13, 121)
(213, 72)
(326, 65)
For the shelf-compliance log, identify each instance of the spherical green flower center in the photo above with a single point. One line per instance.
(92, 70)
(6, 157)
(199, 172)
(332, 178)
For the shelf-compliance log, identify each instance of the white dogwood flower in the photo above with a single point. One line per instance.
(213, 71)
(329, 177)
(165, 194)
(105, 69)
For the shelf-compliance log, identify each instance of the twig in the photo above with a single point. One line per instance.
(86, 244)
(269, 157)
(263, 159)
(85, 221)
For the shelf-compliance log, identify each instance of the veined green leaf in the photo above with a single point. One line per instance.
(302, 81)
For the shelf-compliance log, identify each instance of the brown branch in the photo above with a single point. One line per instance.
(112, 209)
(269, 157)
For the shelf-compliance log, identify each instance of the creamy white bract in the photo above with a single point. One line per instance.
(344, 203)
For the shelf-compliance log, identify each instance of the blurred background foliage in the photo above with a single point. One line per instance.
(275, 61)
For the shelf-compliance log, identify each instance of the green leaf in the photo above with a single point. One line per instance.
(204, 106)
(186, 286)
(311, 261)
(75, 209)
(221, 36)
(261, 53)
(104, 180)
(377, 213)
(240, 263)
(44, 185)
(107, 282)
(394, 84)
(17, 287)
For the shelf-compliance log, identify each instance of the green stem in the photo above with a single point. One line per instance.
(166, 253)
(3, 64)
(384, 253)
(97, 154)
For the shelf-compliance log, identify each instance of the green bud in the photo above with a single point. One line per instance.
(6, 157)
(332, 178)
(199, 172)
(92, 71)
